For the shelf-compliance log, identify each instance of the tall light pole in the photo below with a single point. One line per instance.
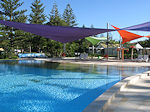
(107, 40)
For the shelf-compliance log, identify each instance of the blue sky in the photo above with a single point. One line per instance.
(120, 13)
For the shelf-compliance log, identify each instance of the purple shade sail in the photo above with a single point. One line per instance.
(140, 27)
(58, 33)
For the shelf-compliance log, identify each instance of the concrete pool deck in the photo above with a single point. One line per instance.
(130, 95)
(96, 62)
(134, 98)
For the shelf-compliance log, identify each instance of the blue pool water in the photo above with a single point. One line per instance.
(37, 86)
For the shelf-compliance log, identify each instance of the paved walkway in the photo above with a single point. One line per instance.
(134, 98)
(96, 62)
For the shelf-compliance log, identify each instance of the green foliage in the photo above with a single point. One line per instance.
(71, 48)
(55, 18)
(113, 42)
(83, 45)
(69, 17)
(54, 48)
(83, 26)
(37, 16)
(145, 43)
(38, 43)
(10, 9)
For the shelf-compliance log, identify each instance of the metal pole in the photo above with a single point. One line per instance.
(107, 39)
(30, 48)
(120, 47)
(93, 49)
(132, 54)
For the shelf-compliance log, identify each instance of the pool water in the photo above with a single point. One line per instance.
(38, 86)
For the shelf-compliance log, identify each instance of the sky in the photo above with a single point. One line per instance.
(120, 13)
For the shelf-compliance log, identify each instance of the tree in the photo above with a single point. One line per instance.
(70, 20)
(82, 44)
(2, 33)
(69, 17)
(37, 16)
(55, 48)
(55, 18)
(92, 26)
(83, 26)
(145, 43)
(9, 8)
(19, 42)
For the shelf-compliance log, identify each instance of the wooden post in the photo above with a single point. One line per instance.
(122, 54)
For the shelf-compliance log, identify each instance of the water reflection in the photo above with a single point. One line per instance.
(27, 65)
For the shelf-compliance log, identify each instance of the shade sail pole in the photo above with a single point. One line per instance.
(132, 54)
(64, 49)
(93, 49)
(107, 39)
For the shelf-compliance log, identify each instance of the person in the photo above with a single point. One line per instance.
(63, 54)
(106, 56)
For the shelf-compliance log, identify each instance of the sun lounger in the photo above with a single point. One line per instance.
(146, 58)
(83, 56)
(139, 58)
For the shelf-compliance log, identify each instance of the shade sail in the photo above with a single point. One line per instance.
(127, 36)
(148, 36)
(100, 38)
(58, 33)
(140, 27)
(96, 40)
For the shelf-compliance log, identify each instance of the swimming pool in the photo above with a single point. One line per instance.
(38, 86)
